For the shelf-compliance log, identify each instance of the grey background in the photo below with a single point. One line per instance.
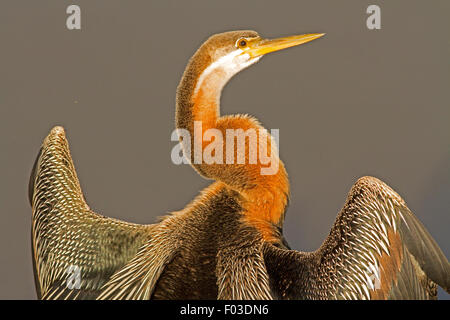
(356, 102)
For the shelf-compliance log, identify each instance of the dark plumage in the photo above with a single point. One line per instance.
(227, 243)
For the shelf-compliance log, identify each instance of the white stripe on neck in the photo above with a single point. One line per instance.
(229, 65)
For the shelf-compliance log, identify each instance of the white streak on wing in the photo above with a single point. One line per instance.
(401, 216)
(394, 225)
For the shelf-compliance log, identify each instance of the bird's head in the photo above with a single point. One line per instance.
(225, 54)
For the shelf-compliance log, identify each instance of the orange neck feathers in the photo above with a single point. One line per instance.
(264, 197)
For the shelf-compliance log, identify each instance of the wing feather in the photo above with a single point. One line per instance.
(75, 250)
(376, 249)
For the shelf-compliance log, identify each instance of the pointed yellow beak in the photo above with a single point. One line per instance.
(261, 47)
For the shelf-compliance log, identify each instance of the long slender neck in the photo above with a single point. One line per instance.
(198, 101)
(198, 94)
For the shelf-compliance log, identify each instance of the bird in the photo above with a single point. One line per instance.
(228, 242)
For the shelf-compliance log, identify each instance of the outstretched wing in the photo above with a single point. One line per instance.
(377, 249)
(75, 250)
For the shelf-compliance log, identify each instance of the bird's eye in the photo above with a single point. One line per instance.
(241, 43)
